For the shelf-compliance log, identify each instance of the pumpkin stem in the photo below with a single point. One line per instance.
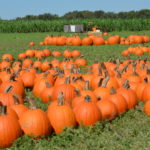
(103, 66)
(124, 69)
(74, 79)
(72, 68)
(106, 73)
(3, 111)
(119, 75)
(67, 80)
(61, 99)
(12, 78)
(81, 56)
(26, 69)
(61, 73)
(8, 89)
(104, 84)
(109, 60)
(87, 98)
(32, 103)
(16, 100)
(48, 85)
(95, 61)
(45, 74)
(148, 71)
(99, 70)
(112, 90)
(8, 70)
(134, 69)
(126, 84)
(86, 86)
(65, 66)
(100, 82)
(145, 80)
(142, 66)
(118, 62)
(77, 92)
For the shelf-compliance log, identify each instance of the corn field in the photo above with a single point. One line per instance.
(26, 26)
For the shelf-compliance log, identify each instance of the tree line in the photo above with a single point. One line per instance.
(144, 13)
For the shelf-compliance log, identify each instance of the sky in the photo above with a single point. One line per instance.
(10, 9)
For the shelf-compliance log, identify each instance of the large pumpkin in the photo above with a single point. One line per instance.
(34, 122)
(87, 113)
(61, 115)
(9, 128)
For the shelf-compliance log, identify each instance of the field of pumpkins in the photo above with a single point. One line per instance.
(77, 93)
(92, 39)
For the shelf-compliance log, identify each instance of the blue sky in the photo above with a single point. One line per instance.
(10, 9)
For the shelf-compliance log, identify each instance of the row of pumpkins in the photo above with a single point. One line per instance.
(107, 90)
(93, 40)
(138, 51)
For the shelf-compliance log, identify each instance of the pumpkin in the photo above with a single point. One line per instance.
(140, 88)
(102, 91)
(37, 64)
(31, 44)
(56, 53)
(67, 53)
(7, 98)
(118, 100)
(5, 65)
(113, 40)
(76, 41)
(61, 115)
(28, 79)
(40, 85)
(17, 87)
(30, 53)
(80, 62)
(5, 75)
(61, 40)
(47, 52)
(78, 99)
(98, 41)
(67, 89)
(87, 91)
(146, 93)
(18, 107)
(9, 128)
(7, 57)
(22, 55)
(147, 107)
(128, 94)
(35, 123)
(75, 53)
(87, 41)
(39, 54)
(108, 109)
(45, 66)
(27, 63)
(47, 93)
(87, 113)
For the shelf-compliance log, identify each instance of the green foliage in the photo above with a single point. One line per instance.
(26, 26)
(144, 13)
(127, 132)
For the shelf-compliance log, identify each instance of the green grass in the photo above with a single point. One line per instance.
(130, 131)
(57, 25)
